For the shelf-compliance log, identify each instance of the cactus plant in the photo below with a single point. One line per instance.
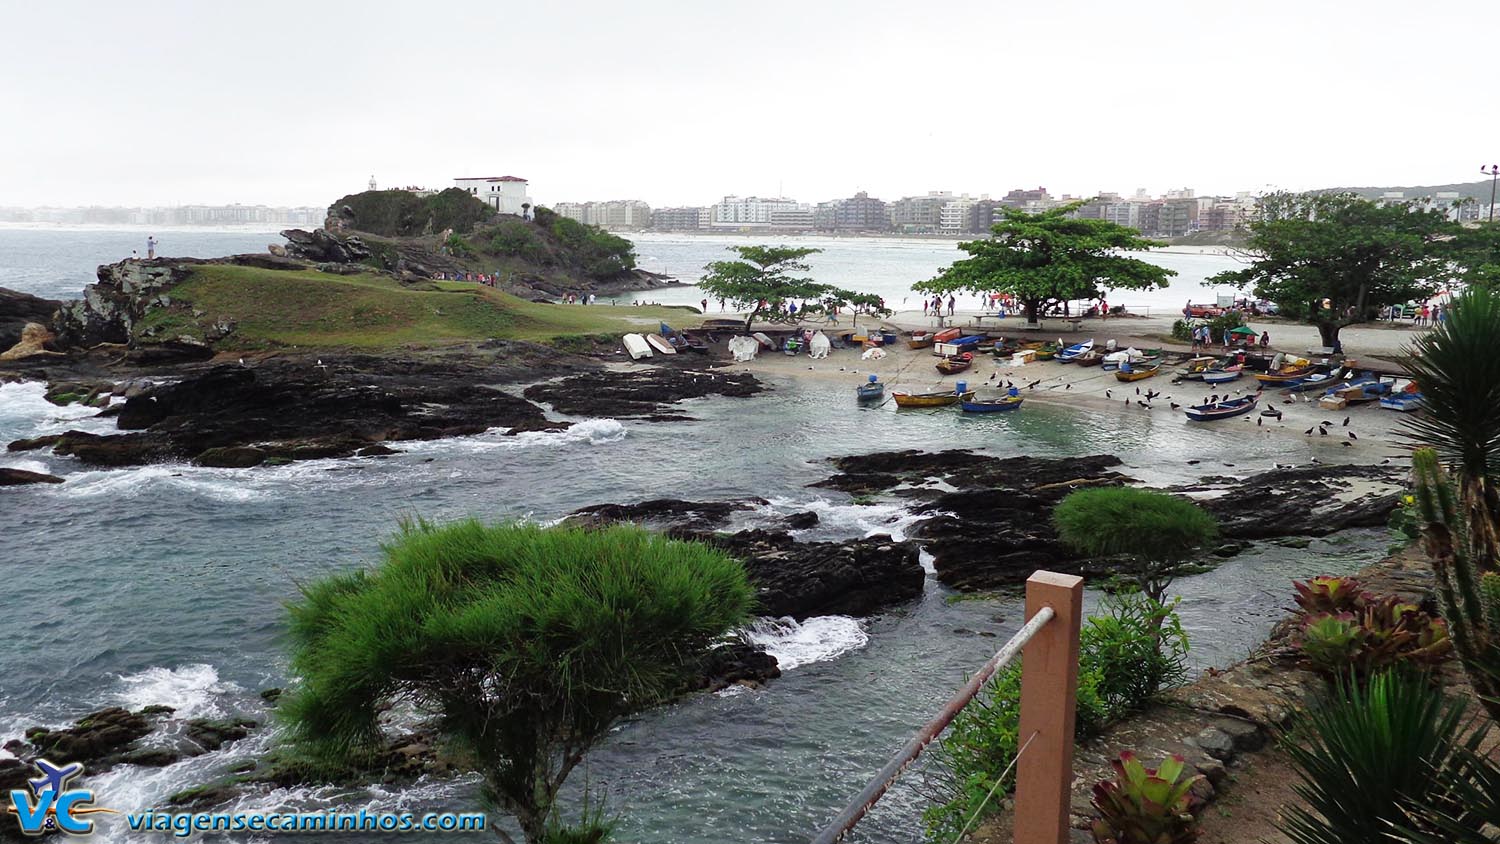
(1458, 536)
(1145, 806)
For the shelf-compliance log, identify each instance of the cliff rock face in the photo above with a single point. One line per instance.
(17, 309)
(111, 308)
(321, 246)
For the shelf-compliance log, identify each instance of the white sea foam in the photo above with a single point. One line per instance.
(589, 431)
(25, 412)
(839, 520)
(194, 690)
(215, 484)
(814, 640)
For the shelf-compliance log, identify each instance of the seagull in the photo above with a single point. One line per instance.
(1259, 422)
(1192, 463)
(1069, 387)
(1315, 460)
(242, 361)
(1175, 405)
(1137, 390)
(1351, 436)
(1308, 432)
(1323, 432)
(1346, 421)
(1346, 444)
(1107, 395)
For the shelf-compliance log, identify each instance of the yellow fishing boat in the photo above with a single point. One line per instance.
(1137, 371)
(930, 399)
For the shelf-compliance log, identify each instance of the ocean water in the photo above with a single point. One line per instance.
(167, 583)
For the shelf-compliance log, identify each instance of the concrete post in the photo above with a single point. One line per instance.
(1049, 687)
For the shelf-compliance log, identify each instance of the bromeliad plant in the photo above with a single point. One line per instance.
(1344, 629)
(1327, 594)
(1146, 806)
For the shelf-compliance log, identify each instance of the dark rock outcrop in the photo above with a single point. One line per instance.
(237, 416)
(668, 514)
(805, 579)
(111, 309)
(322, 246)
(1301, 501)
(95, 738)
(21, 477)
(640, 392)
(738, 663)
(17, 309)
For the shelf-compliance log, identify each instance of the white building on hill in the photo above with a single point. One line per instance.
(505, 194)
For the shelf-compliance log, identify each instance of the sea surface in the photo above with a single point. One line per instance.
(167, 583)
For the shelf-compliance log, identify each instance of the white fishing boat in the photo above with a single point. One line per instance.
(660, 344)
(636, 346)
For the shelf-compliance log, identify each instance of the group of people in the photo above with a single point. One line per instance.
(575, 299)
(934, 306)
(1424, 314)
(1203, 338)
(488, 279)
(151, 243)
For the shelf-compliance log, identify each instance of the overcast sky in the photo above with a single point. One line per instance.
(145, 103)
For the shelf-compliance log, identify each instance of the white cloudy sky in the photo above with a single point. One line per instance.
(680, 103)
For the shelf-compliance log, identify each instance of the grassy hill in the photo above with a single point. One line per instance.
(311, 309)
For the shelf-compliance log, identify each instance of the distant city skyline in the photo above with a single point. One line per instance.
(285, 104)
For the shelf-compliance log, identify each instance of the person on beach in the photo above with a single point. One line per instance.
(1265, 340)
(925, 305)
(952, 303)
(704, 303)
(150, 247)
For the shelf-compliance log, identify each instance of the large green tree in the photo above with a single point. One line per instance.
(526, 643)
(1158, 534)
(765, 278)
(1338, 259)
(1475, 252)
(1048, 258)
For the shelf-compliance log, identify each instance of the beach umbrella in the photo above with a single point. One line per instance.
(1244, 329)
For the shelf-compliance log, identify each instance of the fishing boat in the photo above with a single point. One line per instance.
(1286, 374)
(1194, 368)
(1221, 376)
(660, 344)
(991, 405)
(694, 343)
(1221, 410)
(1316, 381)
(955, 364)
(870, 391)
(1402, 402)
(947, 334)
(636, 346)
(764, 340)
(1092, 357)
(1073, 352)
(958, 345)
(1136, 371)
(1367, 390)
(930, 399)
(1113, 360)
(1048, 351)
(792, 346)
(919, 340)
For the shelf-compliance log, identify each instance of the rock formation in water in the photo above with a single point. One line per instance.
(17, 310)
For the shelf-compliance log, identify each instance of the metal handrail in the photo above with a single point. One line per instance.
(882, 780)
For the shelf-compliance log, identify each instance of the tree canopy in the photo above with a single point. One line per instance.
(1337, 259)
(765, 278)
(1051, 257)
(528, 643)
(1476, 254)
(1158, 530)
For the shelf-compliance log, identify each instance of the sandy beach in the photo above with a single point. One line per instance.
(1093, 388)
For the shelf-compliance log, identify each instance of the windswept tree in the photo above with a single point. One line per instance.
(1048, 258)
(526, 643)
(1338, 259)
(766, 278)
(1156, 533)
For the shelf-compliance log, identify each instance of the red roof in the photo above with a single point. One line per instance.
(488, 179)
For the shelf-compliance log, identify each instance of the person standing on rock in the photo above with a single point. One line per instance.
(150, 247)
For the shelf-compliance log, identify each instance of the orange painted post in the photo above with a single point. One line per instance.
(1049, 686)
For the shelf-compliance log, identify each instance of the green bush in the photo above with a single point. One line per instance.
(1182, 330)
(528, 643)
(1156, 532)
(400, 213)
(1120, 669)
(1344, 629)
(1368, 756)
(600, 254)
(517, 239)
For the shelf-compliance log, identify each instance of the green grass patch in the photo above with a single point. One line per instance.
(370, 311)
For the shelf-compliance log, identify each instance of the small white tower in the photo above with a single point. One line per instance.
(372, 182)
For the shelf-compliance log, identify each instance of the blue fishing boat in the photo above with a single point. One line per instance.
(1221, 376)
(992, 405)
(1220, 410)
(870, 391)
(1402, 402)
(1073, 352)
